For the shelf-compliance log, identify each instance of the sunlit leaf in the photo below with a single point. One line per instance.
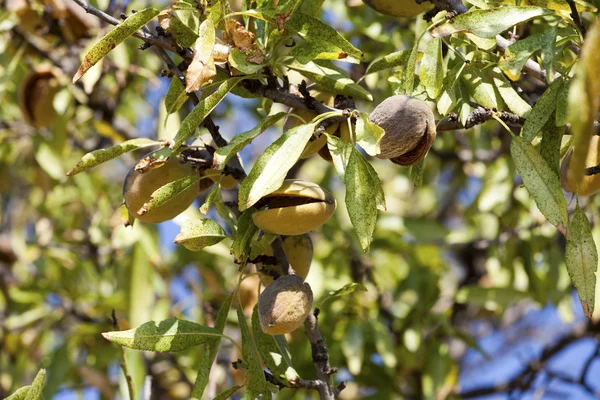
(197, 234)
(432, 69)
(330, 78)
(277, 359)
(170, 335)
(202, 69)
(368, 134)
(272, 165)
(489, 23)
(224, 154)
(117, 34)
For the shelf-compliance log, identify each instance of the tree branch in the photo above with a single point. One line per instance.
(320, 357)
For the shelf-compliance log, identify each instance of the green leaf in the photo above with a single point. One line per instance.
(550, 145)
(256, 385)
(562, 104)
(490, 297)
(432, 68)
(273, 164)
(330, 78)
(165, 193)
(19, 394)
(243, 236)
(37, 386)
(224, 154)
(277, 359)
(513, 101)
(368, 134)
(210, 199)
(416, 173)
(119, 33)
(317, 32)
(197, 234)
(489, 23)
(481, 89)
(582, 260)
(209, 356)
(182, 24)
(176, 96)
(340, 151)
(542, 110)
(260, 246)
(541, 181)
(170, 335)
(516, 55)
(191, 122)
(98, 157)
(408, 74)
(363, 193)
(309, 51)
(227, 393)
(238, 60)
(353, 346)
(350, 288)
(397, 59)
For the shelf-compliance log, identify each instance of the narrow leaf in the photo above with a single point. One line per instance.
(550, 145)
(584, 100)
(176, 96)
(332, 79)
(227, 393)
(397, 59)
(273, 164)
(168, 192)
(582, 260)
(20, 393)
(169, 335)
(256, 385)
(513, 101)
(37, 386)
(189, 124)
(368, 134)
(340, 151)
(211, 354)
(317, 32)
(432, 68)
(224, 154)
(243, 236)
(361, 185)
(408, 74)
(202, 69)
(542, 110)
(278, 361)
(119, 33)
(541, 181)
(98, 157)
(197, 234)
(489, 23)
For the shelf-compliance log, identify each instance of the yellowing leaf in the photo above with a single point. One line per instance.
(202, 68)
(119, 33)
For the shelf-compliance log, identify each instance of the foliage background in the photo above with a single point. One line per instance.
(462, 265)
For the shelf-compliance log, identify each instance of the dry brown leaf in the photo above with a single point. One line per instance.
(242, 38)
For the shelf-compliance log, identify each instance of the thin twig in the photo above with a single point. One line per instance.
(124, 367)
(575, 16)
